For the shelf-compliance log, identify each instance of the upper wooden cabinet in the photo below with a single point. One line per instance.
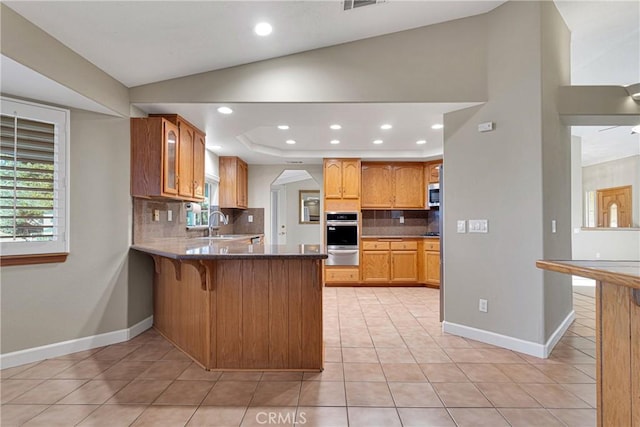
(432, 171)
(341, 178)
(393, 185)
(341, 184)
(167, 158)
(234, 192)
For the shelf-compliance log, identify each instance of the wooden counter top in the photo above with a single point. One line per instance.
(204, 248)
(623, 273)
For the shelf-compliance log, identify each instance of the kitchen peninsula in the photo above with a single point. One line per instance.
(617, 336)
(233, 305)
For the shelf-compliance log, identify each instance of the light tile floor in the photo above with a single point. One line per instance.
(387, 364)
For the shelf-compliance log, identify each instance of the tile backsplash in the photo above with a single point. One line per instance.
(144, 228)
(387, 222)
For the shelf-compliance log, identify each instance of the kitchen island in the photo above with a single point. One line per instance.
(233, 305)
(617, 336)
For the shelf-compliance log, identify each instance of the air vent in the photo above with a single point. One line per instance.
(354, 4)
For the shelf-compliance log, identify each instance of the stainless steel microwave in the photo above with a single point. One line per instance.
(433, 195)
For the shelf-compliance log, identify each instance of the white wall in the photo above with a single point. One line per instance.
(607, 244)
(260, 179)
(300, 233)
(616, 173)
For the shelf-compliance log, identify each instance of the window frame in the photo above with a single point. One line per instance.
(24, 252)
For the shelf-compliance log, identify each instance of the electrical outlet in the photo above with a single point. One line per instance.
(482, 305)
(250, 218)
(401, 220)
(156, 215)
(169, 216)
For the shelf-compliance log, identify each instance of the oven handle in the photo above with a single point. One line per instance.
(342, 252)
(348, 223)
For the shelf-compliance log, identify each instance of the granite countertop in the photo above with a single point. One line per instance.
(204, 248)
(624, 273)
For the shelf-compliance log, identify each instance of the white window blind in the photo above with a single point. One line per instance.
(33, 202)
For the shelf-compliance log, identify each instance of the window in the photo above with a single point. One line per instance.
(33, 180)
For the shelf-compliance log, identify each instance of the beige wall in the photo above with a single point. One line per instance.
(300, 233)
(438, 63)
(499, 176)
(59, 63)
(93, 291)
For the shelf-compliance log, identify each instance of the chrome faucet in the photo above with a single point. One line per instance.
(225, 220)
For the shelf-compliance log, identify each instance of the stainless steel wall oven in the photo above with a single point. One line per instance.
(342, 238)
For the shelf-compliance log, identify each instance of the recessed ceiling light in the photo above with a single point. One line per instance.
(335, 127)
(386, 126)
(263, 29)
(225, 110)
(437, 126)
(283, 127)
(421, 142)
(335, 141)
(290, 141)
(377, 141)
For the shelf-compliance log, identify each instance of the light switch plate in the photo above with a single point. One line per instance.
(169, 216)
(462, 226)
(250, 218)
(478, 226)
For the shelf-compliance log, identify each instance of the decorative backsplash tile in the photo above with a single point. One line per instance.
(387, 222)
(144, 228)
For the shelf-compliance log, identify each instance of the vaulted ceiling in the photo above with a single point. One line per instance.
(139, 42)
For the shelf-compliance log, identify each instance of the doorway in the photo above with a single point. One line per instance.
(614, 207)
(295, 208)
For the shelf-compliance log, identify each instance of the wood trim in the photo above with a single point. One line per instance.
(10, 260)
(202, 270)
(156, 263)
(622, 279)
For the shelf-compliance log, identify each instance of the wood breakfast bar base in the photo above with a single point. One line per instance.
(617, 336)
(241, 307)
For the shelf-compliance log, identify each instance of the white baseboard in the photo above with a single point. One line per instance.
(511, 343)
(58, 349)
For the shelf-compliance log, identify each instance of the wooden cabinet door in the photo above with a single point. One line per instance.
(243, 184)
(432, 266)
(170, 158)
(434, 173)
(185, 161)
(199, 150)
(375, 266)
(351, 179)
(332, 179)
(408, 186)
(404, 266)
(376, 186)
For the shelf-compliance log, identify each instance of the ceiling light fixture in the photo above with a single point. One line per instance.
(263, 29)
(377, 141)
(290, 141)
(225, 110)
(283, 127)
(437, 126)
(335, 141)
(633, 91)
(421, 142)
(386, 126)
(335, 127)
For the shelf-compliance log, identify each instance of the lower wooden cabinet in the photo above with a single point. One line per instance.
(404, 266)
(389, 261)
(376, 266)
(341, 274)
(431, 262)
